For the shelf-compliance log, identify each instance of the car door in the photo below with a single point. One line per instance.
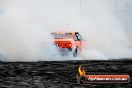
(78, 40)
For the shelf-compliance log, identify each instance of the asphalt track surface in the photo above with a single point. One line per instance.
(59, 74)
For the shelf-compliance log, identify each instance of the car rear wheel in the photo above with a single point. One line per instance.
(75, 52)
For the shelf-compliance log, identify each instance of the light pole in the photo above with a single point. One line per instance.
(80, 8)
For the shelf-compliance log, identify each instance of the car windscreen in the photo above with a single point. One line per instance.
(61, 35)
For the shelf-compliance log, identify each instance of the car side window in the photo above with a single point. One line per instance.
(77, 37)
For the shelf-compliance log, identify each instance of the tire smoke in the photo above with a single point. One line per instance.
(25, 26)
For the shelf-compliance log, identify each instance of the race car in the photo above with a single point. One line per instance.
(68, 41)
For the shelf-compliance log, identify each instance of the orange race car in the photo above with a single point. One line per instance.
(68, 41)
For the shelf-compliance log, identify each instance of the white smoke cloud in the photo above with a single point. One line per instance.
(25, 26)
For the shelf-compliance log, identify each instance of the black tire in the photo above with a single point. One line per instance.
(75, 52)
